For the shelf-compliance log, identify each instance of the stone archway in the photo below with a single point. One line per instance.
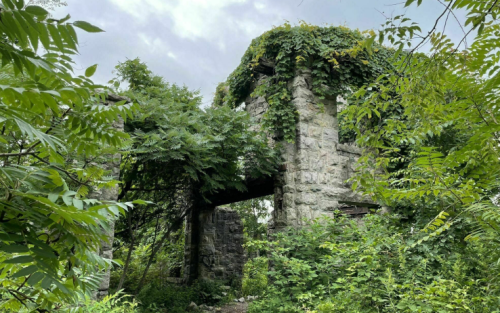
(311, 183)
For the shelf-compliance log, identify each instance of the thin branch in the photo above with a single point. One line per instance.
(62, 170)
(458, 22)
(4, 155)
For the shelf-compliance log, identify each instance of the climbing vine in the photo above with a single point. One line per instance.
(341, 60)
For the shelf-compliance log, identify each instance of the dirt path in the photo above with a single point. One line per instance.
(235, 308)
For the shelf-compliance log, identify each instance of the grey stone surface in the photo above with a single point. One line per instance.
(109, 194)
(220, 253)
(316, 165)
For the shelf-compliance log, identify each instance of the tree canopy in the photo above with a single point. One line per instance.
(55, 128)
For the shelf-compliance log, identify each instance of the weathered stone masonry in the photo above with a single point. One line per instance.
(312, 181)
(220, 242)
(109, 194)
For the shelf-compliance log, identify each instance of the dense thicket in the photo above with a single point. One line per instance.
(430, 133)
(180, 153)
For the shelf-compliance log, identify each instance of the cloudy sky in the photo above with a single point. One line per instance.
(199, 42)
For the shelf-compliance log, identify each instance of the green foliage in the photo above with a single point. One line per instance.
(167, 263)
(254, 214)
(175, 299)
(338, 57)
(55, 131)
(115, 303)
(254, 281)
(430, 129)
(345, 265)
(213, 148)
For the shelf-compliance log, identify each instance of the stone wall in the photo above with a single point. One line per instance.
(218, 245)
(312, 180)
(109, 194)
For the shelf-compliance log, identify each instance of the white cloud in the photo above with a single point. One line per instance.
(260, 6)
(171, 55)
(157, 45)
(193, 19)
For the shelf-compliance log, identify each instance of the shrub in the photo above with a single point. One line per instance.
(341, 265)
(115, 303)
(175, 299)
(255, 277)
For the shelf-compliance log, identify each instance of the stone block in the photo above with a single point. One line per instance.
(314, 132)
(330, 134)
(289, 189)
(302, 92)
(302, 130)
(308, 177)
(288, 199)
(317, 164)
(329, 205)
(301, 105)
(289, 178)
(306, 198)
(308, 143)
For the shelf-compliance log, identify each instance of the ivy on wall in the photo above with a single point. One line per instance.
(340, 60)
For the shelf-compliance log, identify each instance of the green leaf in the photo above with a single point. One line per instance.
(44, 36)
(47, 282)
(19, 4)
(36, 10)
(369, 44)
(89, 72)
(56, 36)
(14, 248)
(11, 237)
(20, 260)
(87, 27)
(66, 18)
(78, 204)
(26, 271)
(66, 36)
(9, 4)
(29, 18)
(44, 253)
(53, 197)
(72, 32)
(35, 278)
(409, 2)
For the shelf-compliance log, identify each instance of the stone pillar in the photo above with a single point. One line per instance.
(311, 182)
(215, 250)
(191, 245)
(109, 194)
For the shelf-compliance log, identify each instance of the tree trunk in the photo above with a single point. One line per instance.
(157, 248)
(129, 254)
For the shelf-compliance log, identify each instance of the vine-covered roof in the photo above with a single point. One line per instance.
(340, 59)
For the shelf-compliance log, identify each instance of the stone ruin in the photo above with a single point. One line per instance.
(311, 183)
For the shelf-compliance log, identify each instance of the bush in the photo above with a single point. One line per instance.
(341, 265)
(175, 299)
(115, 303)
(255, 277)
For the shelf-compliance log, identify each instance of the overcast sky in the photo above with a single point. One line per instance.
(198, 43)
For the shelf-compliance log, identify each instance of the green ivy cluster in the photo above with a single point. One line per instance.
(341, 60)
